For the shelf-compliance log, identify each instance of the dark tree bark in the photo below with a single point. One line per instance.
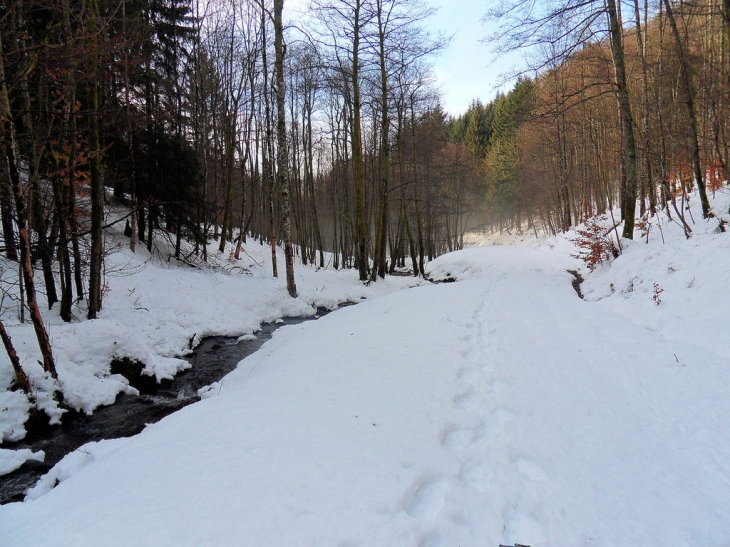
(20, 375)
(97, 184)
(11, 151)
(381, 233)
(361, 234)
(627, 120)
(282, 154)
(6, 210)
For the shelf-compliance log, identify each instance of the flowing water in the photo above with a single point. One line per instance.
(211, 360)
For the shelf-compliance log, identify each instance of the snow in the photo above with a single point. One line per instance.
(500, 408)
(152, 312)
(10, 460)
(14, 408)
(71, 464)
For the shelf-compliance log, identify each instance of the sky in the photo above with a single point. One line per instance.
(468, 69)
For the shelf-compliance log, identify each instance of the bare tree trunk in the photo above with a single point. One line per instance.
(265, 159)
(361, 248)
(130, 136)
(8, 134)
(63, 252)
(6, 210)
(282, 158)
(20, 374)
(627, 121)
(97, 184)
(646, 178)
(381, 234)
(688, 92)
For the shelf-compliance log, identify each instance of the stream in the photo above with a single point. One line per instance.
(211, 360)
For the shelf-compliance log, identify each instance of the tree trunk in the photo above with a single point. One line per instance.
(382, 223)
(282, 158)
(97, 184)
(361, 248)
(646, 179)
(688, 93)
(6, 210)
(20, 374)
(627, 121)
(268, 182)
(8, 134)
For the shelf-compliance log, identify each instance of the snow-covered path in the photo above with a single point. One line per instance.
(498, 409)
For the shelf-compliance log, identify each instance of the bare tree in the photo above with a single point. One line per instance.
(574, 24)
(11, 151)
(282, 153)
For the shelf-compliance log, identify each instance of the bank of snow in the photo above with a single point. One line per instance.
(498, 409)
(155, 311)
(672, 285)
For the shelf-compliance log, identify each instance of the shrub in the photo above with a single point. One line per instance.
(594, 244)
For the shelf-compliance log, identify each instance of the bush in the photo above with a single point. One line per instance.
(594, 244)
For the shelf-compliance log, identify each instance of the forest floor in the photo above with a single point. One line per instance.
(498, 409)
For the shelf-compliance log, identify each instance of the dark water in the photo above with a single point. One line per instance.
(211, 360)
(577, 281)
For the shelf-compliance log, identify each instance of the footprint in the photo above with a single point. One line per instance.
(530, 469)
(455, 437)
(467, 374)
(465, 399)
(424, 499)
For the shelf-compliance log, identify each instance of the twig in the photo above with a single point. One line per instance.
(615, 225)
(252, 258)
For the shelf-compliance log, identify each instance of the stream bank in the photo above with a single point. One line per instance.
(210, 361)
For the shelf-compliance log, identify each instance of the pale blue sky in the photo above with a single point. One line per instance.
(468, 69)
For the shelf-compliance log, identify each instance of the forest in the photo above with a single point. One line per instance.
(215, 121)
(261, 286)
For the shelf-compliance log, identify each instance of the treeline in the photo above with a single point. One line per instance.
(172, 104)
(208, 121)
(632, 115)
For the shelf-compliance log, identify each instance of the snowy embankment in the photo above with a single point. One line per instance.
(153, 312)
(498, 409)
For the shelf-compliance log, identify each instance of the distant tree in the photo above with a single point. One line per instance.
(562, 30)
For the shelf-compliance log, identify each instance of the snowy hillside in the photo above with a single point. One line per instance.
(498, 409)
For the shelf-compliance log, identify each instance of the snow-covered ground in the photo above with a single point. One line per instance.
(152, 312)
(498, 409)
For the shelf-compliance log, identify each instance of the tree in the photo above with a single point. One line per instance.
(97, 183)
(282, 155)
(571, 26)
(7, 132)
(689, 99)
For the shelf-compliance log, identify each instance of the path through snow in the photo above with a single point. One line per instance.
(499, 409)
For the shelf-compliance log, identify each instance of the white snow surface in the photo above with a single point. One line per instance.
(497, 409)
(10, 460)
(152, 312)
